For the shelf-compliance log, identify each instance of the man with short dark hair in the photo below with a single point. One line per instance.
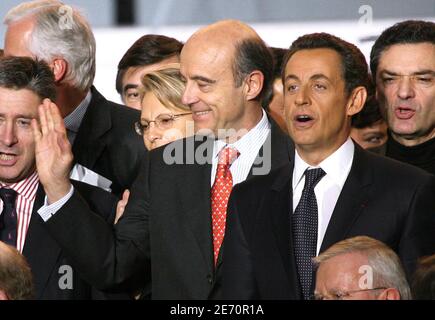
(101, 132)
(150, 52)
(332, 191)
(25, 84)
(402, 61)
(16, 281)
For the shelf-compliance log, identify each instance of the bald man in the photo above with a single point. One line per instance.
(173, 226)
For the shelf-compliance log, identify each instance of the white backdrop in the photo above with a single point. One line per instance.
(113, 42)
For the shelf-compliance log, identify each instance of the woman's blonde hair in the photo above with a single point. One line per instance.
(167, 85)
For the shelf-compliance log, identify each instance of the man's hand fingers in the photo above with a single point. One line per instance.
(43, 119)
(49, 114)
(36, 130)
(57, 118)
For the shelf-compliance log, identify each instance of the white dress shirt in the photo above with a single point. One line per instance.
(337, 167)
(248, 146)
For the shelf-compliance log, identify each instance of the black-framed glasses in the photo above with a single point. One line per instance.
(342, 295)
(164, 121)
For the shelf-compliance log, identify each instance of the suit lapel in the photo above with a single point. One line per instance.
(278, 145)
(351, 201)
(280, 206)
(196, 202)
(90, 140)
(40, 250)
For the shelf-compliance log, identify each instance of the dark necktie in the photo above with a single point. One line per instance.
(304, 227)
(8, 217)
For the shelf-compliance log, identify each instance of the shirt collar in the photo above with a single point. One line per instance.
(25, 188)
(74, 119)
(336, 166)
(245, 143)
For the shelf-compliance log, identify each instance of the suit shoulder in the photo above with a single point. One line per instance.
(261, 183)
(385, 166)
(123, 113)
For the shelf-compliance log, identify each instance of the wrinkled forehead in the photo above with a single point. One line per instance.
(408, 58)
(202, 55)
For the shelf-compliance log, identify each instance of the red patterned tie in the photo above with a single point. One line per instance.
(220, 193)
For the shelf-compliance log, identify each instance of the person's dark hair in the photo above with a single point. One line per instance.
(147, 50)
(406, 32)
(278, 55)
(278, 58)
(423, 285)
(354, 66)
(25, 73)
(253, 54)
(370, 113)
(15, 274)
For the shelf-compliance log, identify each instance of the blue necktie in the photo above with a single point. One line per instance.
(304, 227)
(8, 217)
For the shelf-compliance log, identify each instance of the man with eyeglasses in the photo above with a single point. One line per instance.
(403, 66)
(360, 268)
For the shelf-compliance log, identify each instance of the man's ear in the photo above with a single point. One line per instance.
(356, 100)
(59, 68)
(389, 294)
(253, 84)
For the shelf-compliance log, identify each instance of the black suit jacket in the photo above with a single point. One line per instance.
(381, 198)
(47, 259)
(166, 226)
(107, 143)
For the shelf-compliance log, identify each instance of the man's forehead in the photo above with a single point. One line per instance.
(408, 56)
(195, 58)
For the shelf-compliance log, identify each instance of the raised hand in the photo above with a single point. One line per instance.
(121, 205)
(53, 151)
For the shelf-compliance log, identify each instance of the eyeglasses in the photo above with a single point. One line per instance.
(163, 121)
(342, 295)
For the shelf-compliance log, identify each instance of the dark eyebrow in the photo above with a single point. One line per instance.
(291, 77)
(417, 73)
(130, 86)
(21, 115)
(204, 79)
(319, 76)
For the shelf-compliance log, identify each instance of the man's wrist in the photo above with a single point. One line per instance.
(55, 192)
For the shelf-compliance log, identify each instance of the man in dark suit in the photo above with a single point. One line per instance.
(101, 132)
(333, 189)
(24, 84)
(173, 231)
(402, 62)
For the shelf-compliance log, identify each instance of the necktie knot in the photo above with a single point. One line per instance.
(8, 196)
(312, 177)
(227, 156)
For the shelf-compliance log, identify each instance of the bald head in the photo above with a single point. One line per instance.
(224, 32)
(233, 44)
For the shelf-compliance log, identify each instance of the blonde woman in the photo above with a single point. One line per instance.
(164, 118)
